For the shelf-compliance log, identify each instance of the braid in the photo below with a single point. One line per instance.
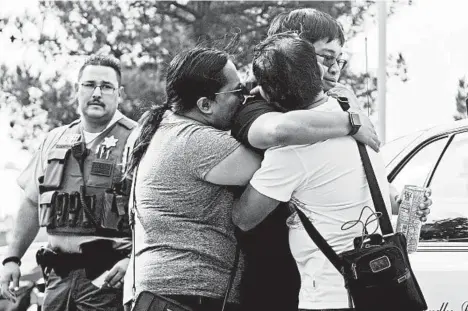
(149, 124)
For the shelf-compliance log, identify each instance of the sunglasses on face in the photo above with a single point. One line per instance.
(242, 93)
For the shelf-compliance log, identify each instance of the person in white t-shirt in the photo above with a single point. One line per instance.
(325, 180)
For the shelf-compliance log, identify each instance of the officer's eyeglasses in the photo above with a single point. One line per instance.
(106, 89)
(329, 61)
(242, 93)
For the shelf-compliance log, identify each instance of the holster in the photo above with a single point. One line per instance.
(96, 257)
(45, 258)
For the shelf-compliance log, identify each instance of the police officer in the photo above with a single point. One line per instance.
(73, 186)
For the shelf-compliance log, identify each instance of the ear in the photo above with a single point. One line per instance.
(205, 105)
(121, 92)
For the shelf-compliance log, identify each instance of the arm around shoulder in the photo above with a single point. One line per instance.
(298, 127)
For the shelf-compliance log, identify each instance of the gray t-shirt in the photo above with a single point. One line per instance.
(185, 242)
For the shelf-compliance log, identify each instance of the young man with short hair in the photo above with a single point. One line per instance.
(271, 280)
(326, 180)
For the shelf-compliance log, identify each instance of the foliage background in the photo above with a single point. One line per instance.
(145, 35)
(460, 99)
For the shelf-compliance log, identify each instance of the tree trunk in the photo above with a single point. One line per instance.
(202, 21)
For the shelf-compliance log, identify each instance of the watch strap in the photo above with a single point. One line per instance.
(344, 103)
(15, 259)
(354, 127)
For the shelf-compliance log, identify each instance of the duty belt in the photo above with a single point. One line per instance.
(97, 258)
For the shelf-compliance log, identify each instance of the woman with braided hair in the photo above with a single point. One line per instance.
(184, 162)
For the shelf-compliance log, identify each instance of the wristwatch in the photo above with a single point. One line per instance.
(355, 122)
(11, 259)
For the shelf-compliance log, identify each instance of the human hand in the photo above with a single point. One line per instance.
(10, 272)
(255, 90)
(259, 90)
(424, 209)
(115, 277)
(367, 134)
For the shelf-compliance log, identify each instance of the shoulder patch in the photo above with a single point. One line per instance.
(68, 140)
(55, 135)
(128, 123)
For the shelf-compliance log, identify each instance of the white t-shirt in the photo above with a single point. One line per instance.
(327, 182)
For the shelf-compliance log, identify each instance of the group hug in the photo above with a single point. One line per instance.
(196, 204)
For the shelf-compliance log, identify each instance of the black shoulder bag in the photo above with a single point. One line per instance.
(149, 301)
(377, 272)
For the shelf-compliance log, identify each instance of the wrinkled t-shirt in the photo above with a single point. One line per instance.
(185, 243)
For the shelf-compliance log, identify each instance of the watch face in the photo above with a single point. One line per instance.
(356, 119)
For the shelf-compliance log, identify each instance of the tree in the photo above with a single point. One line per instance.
(460, 99)
(365, 85)
(145, 35)
(27, 99)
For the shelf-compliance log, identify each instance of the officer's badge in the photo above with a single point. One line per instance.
(68, 140)
(104, 150)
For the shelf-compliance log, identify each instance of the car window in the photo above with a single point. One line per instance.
(417, 169)
(448, 220)
(392, 149)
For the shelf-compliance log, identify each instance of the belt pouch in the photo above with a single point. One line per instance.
(61, 209)
(121, 202)
(91, 205)
(54, 173)
(74, 206)
(46, 210)
(110, 217)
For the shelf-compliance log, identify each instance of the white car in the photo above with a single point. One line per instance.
(438, 158)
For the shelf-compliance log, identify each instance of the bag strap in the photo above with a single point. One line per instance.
(379, 204)
(321, 243)
(133, 212)
(132, 226)
(376, 194)
(384, 221)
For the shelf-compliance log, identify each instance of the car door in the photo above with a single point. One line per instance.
(441, 262)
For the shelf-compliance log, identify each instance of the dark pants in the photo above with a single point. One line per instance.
(271, 280)
(346, 309)
(197, 303)
(74, 291)
(69, 278)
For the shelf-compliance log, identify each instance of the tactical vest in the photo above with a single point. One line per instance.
(82, 191)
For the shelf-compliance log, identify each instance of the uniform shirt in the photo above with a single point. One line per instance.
(28, 181)
(327, 182)
(271, 280)
(185, 242)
